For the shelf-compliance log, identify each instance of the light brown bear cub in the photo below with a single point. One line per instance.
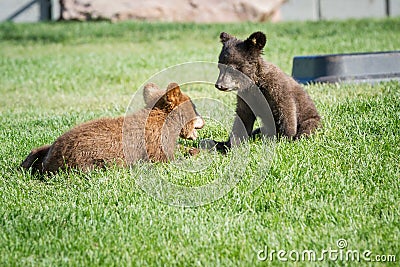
(149, 134)
(293, 111)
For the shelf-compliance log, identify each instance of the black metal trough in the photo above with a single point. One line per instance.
(357, 67)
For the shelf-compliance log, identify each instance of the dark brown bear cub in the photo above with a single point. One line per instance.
(149, 134)
(293, 111)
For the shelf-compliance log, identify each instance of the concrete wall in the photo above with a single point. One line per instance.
(29, 10)
(300, 10)
(294, 10)
(394, 7)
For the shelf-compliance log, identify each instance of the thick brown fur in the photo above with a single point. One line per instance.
(149, 134)
(293, 111)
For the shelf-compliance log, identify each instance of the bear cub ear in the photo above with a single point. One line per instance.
(151, 94)
(173, 93)
(224, 37)
(256, 40)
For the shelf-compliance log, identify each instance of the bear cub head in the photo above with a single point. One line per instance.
(239, 61)
(177, 106)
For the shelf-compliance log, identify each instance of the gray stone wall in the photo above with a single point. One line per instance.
(29, 10)
(294, 10)
(291, 10)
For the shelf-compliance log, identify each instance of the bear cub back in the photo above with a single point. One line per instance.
(149, 134)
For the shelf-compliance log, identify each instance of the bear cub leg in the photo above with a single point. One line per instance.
(308, 127)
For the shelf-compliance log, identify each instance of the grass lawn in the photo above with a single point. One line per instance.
(342, 183)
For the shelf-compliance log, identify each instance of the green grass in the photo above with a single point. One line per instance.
(341, 183)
